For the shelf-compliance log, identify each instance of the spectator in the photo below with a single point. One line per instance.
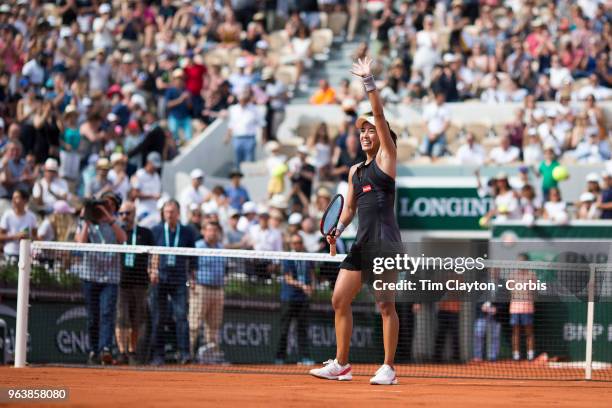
(99, 72)
(437, 119)
(195, 193)
(554, 208)
(470, 153)
(60, 225)
(195, 219)
(301, 174)
(522, 310)
(100, 184)
(118, 176)
(532, 151)
(587, 208)
(347, 158)
(178, 102)
(325, 95)
(168, 275)
(237, 195)
(310, 235)
(321, 144)
(493, 93)
(133, 284)
(147, 189)
(592, 149)
(545, 170)
(69, 144)
(277, 168)
(604, 201)
(245, 120)
(16, 224)
(100, 278)
(448, 325)
(207, 298)
(249, 217)
(277, 99)
(297, 287)
(261, 237)
(233, 236)
(505, 153)
(486, 322)
(50, 188)
(14, 173)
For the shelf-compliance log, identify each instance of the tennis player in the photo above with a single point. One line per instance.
(371, 192)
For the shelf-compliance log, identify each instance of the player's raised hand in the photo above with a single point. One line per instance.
(363, 67)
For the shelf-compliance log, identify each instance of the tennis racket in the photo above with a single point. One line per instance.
(330, 219)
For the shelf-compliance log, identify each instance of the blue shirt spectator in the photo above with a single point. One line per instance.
(180, 110)
(173, 268)
(211, 269)
(300, 271)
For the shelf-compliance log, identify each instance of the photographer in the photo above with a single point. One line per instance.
(100, 273)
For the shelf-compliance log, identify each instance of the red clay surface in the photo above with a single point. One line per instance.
(138, 388)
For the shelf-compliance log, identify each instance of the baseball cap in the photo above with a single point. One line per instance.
(116, 157)
(263, 210)
(278, 201)
(51, 164)
(155, 159)
(501, 176)
(303, 149)
(232, 212)
(295, 219)
(196, 174)
(103, 164)
(249, 207)
(241, 62)
(592, 178)
(104, 8)
(587, 197)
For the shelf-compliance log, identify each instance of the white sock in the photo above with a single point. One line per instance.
(530, 355)
(516, 355)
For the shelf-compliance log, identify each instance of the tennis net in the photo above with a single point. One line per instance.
(238, 310)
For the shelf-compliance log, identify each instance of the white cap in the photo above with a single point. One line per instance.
(65, 32)
(210, 208)
(606, 173)
(104, 8)
(241, 62)
(278, 201)
(295, 219)
(86, 101)
(272, 146)
(112, 117)
(196, 174)
(263, 44)
(51, 164)
(139, 100)
(587, 197)
(263, 210)
(249, 207)
(115, 157)
(448, 58)
(303, 149)
(232, 212)
(592, 178)
(193, 207)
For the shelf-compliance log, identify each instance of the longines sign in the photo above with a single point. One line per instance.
(433, 203)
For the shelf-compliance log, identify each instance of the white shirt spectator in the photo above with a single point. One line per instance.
(311, 240)
(436, 117)
(50, 192)
(148, 184)
(121, 187)
(473, 154)
(269, 239)
(189, 196)
(499, 155)
(491, 95)
(556, 211)
(532, 154)
(600, 93)
(13, 224)
(559, 75)
(45, 230)
(34, 71)
(509, 202)
(103, 33)
(245, 121)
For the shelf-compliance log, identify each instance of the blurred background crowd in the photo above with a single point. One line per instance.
(96, 97)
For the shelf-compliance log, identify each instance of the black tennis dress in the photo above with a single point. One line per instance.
(375, 194)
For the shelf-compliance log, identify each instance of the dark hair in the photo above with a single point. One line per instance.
(23, 193)
(173, 202)
(114, 197)
(214, 224)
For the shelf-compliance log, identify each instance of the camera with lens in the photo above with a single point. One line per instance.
(92, 211)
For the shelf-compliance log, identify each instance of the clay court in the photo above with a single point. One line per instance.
(121, 387)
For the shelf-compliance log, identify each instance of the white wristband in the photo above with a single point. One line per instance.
(340, 228)
(368, 83)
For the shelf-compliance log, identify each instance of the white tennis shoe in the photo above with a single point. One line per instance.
(385, 375)
(333, 371)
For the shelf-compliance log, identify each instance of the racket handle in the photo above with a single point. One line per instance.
(332, 249)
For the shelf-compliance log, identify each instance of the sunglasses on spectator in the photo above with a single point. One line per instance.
(297, 242)
(122, 213)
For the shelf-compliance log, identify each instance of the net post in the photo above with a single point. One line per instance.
(588, 369)
(23, 298)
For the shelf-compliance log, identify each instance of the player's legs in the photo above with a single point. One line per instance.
(516, 336)
(390, 324)
(530, 337)
(347, 287)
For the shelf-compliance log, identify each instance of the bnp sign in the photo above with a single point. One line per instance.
(440, 203)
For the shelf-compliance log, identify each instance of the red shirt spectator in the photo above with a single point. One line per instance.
(194, 77)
